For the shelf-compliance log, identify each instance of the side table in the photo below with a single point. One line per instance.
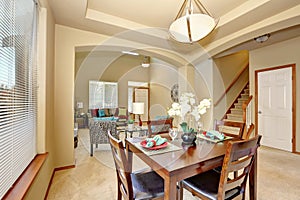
(142, 131)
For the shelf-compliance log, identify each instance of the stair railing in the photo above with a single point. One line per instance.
(247, 111)
(236, 78)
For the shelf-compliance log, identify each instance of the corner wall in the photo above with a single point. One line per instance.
(278, 54)
(66, 39)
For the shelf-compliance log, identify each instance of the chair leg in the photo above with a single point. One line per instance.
(119, 191)
(180, 191)
(91, 150)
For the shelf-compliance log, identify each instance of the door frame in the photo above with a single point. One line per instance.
(293, 66)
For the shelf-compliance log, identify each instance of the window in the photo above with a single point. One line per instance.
(103, 94)
(18, 89)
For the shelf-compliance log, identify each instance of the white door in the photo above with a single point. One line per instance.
(275, 108)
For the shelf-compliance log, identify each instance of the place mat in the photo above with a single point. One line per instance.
(169, 148)
(201, 136)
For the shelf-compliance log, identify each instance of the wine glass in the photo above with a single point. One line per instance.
(199, 128)
(173, 133)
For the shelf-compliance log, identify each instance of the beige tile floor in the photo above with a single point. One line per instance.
(278, 176)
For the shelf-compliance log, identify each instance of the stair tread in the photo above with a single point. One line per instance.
(230, 120)
(235, 115)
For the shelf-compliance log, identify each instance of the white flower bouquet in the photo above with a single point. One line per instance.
(187, 107)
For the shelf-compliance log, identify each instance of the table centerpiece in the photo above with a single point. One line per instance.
(189, 113)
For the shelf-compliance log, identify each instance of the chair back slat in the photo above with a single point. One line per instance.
(233, 129)
(122, 167)
(234, 183)
(239, 164)
(239, 156)
(159, 126)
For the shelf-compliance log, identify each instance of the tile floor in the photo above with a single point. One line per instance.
(278, 177)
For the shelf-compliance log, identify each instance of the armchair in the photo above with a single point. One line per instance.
(98, 132)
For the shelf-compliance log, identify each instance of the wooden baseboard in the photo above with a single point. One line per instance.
(53, 173)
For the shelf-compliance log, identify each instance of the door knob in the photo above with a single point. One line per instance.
(259, 112)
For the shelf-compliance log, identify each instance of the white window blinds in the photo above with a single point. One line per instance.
(103, 94)
(18, 89)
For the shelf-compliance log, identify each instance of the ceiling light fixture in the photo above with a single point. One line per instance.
(130, 53)
(262, 38)
(192, 27)
(146, 61)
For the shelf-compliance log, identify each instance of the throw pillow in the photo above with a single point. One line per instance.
(101, 113)
(94, 112)
(106, 111)
(122, 112)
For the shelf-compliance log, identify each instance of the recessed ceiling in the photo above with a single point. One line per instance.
(239, 20)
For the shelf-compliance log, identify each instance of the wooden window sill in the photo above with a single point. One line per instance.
(24, 182)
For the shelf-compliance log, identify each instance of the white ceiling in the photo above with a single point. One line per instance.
(239, 20)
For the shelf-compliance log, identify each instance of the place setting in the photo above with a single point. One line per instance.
(157, 144)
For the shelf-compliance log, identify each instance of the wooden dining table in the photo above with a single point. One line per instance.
(183, 161)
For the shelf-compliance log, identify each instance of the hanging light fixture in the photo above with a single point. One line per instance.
(146, 61)
(192, 27)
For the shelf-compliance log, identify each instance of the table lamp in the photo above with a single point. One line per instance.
(138, 109)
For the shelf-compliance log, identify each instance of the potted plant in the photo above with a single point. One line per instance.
(130, 124)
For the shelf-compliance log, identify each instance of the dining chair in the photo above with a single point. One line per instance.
(160, 127)
(233, 129)
(140, 185)
(213, 185)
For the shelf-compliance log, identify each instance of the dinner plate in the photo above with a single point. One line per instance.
(163, 145)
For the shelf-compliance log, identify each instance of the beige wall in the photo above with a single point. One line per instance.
(279, 54)
(107, 66)
(66, 39)
(225, 71)
(162, 77)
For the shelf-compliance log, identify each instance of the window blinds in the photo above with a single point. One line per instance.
(103, 94)
(18, 89)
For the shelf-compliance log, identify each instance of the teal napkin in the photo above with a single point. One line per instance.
(155, 141)
(215, 134)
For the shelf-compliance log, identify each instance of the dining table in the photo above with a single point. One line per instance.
(178, 161)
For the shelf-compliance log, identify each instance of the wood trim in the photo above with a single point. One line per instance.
(293, 66)
(21, 186)
(64, 168)
(231, 84)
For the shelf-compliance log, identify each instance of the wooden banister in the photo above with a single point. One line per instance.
(231, 84)
(244, 107)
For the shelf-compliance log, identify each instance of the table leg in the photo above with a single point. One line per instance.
(170, 192)
(129, 156)
(253, 180)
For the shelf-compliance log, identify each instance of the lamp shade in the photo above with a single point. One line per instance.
(192, 27)
(138, 108)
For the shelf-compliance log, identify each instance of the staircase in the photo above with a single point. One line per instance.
(235, 113)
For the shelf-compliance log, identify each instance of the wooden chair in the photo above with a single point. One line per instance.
(214, 185)
(233, 129)
(134, 186)
(161, 127)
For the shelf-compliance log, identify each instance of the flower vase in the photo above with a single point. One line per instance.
(189, 135)
(188, 138)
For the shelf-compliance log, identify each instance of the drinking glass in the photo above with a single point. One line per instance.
(173, 133)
